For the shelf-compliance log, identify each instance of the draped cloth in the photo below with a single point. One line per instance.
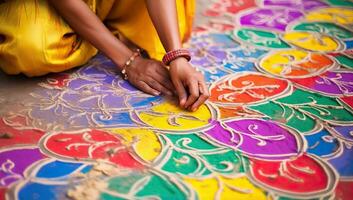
(35, 40)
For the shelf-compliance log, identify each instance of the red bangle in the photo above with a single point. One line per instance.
(174, 54)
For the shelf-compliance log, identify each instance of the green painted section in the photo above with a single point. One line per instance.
(345, 3)
(143, 184)
(301, 109)
(345, 61)
(192, 155)
(326, 28)
(261, 38)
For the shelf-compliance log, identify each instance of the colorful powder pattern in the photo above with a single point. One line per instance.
(278, 124)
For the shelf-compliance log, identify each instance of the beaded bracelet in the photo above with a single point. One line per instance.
(129, 62)
(174, 54)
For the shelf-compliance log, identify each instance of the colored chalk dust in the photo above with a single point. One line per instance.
(278, 124)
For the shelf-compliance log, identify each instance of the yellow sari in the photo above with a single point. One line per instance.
(35, 40)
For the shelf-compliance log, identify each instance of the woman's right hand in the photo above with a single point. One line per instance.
(150, 76)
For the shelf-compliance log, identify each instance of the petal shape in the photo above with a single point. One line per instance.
(305, 176)
(247, 88)
(295, 63)
(222, 187)
(138, 138)
(89, 145)
(168, 116)
(343, 163)
(331, 83)
(269, 18)
(322, 143)
(258, 138)
(312, 41)
(15, 161)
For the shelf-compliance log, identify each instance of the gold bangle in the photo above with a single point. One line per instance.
(129, 62)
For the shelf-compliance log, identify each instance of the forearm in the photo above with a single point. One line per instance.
(85, 23)
(164, 17)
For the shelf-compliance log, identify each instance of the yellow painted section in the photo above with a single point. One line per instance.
(311, 41)
(336, 15)
(146, 143)
(276, 62)
(226, 188)
(168, 116)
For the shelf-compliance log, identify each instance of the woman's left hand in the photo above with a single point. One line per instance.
(189, 83)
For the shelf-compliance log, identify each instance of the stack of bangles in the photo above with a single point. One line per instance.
(167, 58)
(174, 54)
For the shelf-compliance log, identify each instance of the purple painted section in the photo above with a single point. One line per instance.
(345, 131)
(273, 18)
(256, 138)
(214, 55)
(336, 83)
(344, 163)
(93, 90)
(223, 136)
(126, 85)
(305, 5)
(14, 162)
(333, 83)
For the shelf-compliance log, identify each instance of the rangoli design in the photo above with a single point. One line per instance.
(278, 124)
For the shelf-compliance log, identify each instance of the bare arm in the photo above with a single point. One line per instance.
(88, 26)
(149, 76)
(189, 83)
(164, 16)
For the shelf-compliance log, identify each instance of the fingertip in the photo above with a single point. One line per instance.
(169, 93)
(194, 107)
(182, 102)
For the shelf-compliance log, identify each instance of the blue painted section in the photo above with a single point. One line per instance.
(213, 74)
(224, 39)
(116, 119)
(322, 143)
(349, 44)
(344, 163)
(59, 169)
(240, 66)
(248, 53)
(144, 101)
(42, 192)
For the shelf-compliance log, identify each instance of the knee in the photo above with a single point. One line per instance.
(28, 39)
(30, 43)
(22, 51)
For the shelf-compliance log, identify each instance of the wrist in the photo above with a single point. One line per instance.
(177, 61)
(176, 54)
(129, 62)
(120, 58)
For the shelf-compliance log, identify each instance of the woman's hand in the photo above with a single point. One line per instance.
(189, 83)
(150, 76)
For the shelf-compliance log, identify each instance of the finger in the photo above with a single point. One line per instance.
(204, 94)
(165, 82)
(146, 88)
(181, 92)
(193, 87)
(157, 86)
(164, 72)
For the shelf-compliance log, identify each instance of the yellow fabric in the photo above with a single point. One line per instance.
(35, 41)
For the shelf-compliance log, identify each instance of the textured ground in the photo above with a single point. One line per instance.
(278, 124)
